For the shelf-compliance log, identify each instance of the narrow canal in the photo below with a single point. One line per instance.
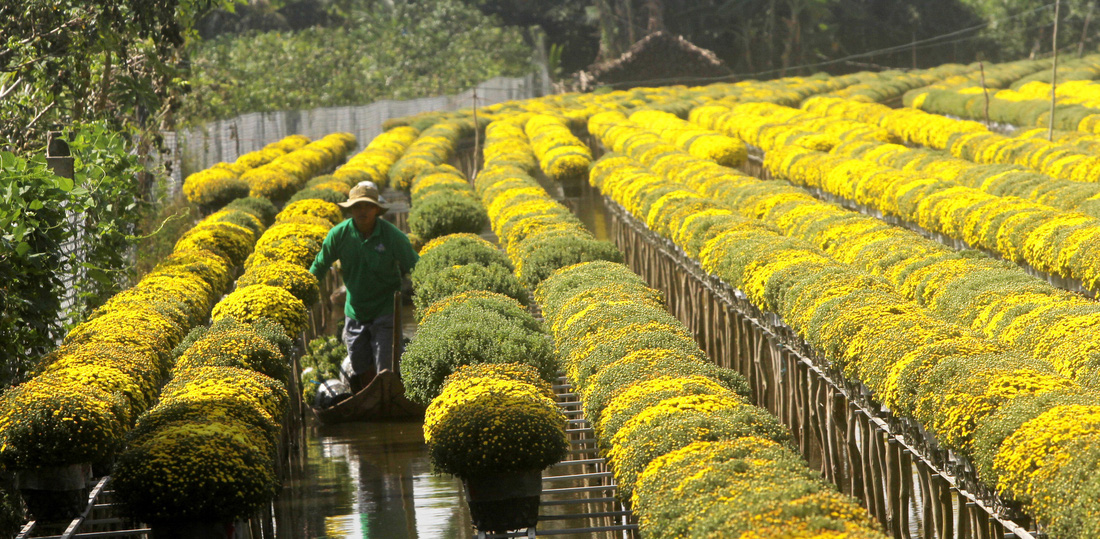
(374, 480)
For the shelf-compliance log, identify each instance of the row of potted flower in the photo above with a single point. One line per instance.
(469, 278)
(286, 175)
(995, 179)
(984, 160)
(1023, 109)
(207, 452)
(433, 147)
(374, 162)
(220, 184)
(765, 125)
(1085, 92)
(481, 363)
(87, 395)
(957, 285)
(687, 450)
(561, 154)
(977, 397)
(891, 84)
(1051, 240)
(970, 140)
(538, 233)
(615, 336)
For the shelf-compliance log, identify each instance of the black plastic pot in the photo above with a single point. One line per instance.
(501, 502)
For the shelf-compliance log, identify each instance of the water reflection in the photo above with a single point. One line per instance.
(371, 480)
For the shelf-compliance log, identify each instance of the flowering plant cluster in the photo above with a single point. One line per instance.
(457, 250)
(539, 234)
(657, 404)
(699, 142)
(506, 142)
(288, 173)
(971, 392)
(1026, 106)
(494, 418)
(432, 148)
(443, 202)
(374, 162)
(221, 184)
(308, 210)
(561, 154)
(470, 327)
(264, 301)
(288, 276)
(207, 450)
(86, 395)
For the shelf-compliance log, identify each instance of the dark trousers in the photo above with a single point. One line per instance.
(370, 349)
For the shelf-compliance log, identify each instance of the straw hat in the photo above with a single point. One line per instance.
(363, 192)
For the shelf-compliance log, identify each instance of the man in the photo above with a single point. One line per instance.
(373, 255)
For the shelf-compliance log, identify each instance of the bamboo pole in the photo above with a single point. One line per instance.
(1054, 72)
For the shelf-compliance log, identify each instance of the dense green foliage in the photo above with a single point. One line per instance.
(41, 213)
(420, 49)
(469, 336)
(70, 61)
(321, 364)
(777, 37)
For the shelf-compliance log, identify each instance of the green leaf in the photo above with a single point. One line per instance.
(99, 275)
(22, 248)
(65, 184)
(36, 205)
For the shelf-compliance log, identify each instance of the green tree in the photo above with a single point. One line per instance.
(567, 23)
(415, 50)
(1025, 27)
(69, 61)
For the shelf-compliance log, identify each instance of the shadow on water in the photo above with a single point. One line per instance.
(373, 480)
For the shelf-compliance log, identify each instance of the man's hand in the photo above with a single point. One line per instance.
(339, 296)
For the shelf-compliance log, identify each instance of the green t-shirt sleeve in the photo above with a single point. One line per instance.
(406, 255)
(325, 257)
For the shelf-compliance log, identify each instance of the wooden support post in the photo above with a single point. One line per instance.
(985, 91)
(1054, 72)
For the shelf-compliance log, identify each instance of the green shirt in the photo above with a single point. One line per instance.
(371, 267)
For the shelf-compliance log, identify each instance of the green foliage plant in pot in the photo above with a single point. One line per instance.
(469, 335)
(321, 363)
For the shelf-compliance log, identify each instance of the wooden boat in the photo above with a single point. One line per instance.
(383, 399)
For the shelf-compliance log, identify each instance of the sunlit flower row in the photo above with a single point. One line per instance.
(965, 389)
(220, 184)
(208, 450)
(677, 430)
